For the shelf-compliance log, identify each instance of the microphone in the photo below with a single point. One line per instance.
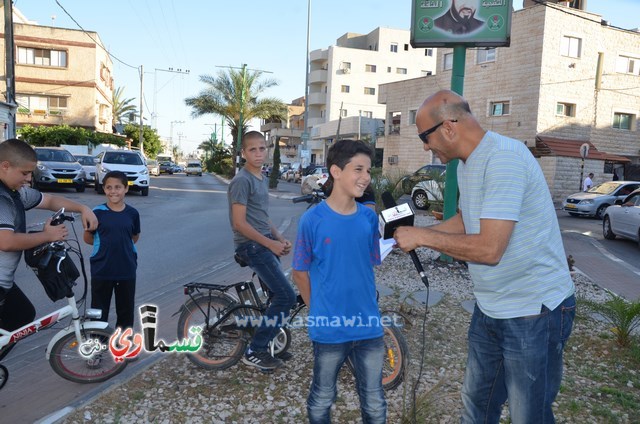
(395, 216)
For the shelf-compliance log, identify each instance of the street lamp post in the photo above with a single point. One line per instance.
(305, 132)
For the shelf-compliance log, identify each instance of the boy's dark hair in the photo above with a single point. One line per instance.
(342, 151)
(16, 152)
(250, 135)
(118, 175)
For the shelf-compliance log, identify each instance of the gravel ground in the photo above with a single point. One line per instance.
(174, 390)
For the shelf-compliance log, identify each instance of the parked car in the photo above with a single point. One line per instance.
(127, 161)
(426, 192)
(88, 163)
(623, 219)
(57, 167)
(595, 201)
(177, 168)
(314, 180)
(153, 167)
(166, 168)
(427, 172)
(293, 174)
(194, 168)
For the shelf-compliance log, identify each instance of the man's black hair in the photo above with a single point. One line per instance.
(342, 151)
(16, 152)
(251, 134)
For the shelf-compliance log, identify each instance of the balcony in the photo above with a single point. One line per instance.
(317, 99)
(319, 55)
(318, 76)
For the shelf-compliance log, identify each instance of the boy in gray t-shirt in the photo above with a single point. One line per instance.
(260, 245)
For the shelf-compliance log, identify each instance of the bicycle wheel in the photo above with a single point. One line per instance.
(68, 363)
(281, 341)
(396, 356)
(222, 345)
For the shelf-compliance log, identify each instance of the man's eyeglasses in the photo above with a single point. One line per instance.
(424, 136)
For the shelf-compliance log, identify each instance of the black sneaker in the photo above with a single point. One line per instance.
(262, 360)
(284, 356)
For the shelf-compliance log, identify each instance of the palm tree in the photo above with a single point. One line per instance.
(232, 92)
(121, 107)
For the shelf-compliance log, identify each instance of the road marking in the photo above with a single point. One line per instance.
(188, 190)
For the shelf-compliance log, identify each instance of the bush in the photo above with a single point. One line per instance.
(623, 315)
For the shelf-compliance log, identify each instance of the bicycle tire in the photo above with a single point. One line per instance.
(68, 363)
(223, 345)
(282, 341)
(396, 357)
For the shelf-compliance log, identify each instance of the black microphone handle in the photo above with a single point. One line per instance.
(390, 202)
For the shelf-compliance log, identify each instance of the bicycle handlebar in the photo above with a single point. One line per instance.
(316, 196)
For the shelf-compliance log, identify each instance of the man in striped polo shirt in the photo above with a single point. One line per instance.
(506, 229)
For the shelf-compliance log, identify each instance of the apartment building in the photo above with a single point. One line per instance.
(287, 134)
(568, 78)
(344, 80)
(62, 76)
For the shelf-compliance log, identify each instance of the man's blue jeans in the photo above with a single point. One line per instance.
(367, 357)
(267, 265)
(519, 359)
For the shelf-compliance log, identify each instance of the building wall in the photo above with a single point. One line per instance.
(85, 82)
(533, 77)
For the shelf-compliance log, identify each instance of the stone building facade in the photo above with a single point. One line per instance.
(567, 75)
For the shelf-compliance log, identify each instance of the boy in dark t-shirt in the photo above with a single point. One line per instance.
(114, 258)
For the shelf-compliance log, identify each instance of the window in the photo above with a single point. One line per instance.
(406, 47)
(428, 52)
(344, 89)
(570, 46)
(499, 108)
(41, 104)
(565, 109)
(367, 114)
(448, 61)
(389, 69)
(346, 67)
(487, 55)
(42, 57)
(622, 121)
(343, 112)
(394, 48)
(401, 71)
(425, 73)
(370, 90)
(628, 65)
(369, 68)
(394, 122)
(412, 116)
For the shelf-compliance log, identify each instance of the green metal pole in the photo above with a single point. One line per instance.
(451, 181)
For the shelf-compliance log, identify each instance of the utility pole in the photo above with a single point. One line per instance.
(141, 132)
(10, 73)
(305, 131)
(155, 90)
(171, 136)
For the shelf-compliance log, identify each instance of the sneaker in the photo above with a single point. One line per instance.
(262, 360)
(284, 356)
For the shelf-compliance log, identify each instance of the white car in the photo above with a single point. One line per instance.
(623, 219)
(426, 192)
(193, 168)
(153, 167)
(127, 161)
(89, 165)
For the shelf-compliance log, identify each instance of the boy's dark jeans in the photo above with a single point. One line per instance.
(267, 265)
(125, 291)
(16, 309)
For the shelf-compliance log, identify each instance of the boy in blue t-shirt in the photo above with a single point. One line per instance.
(336, 248)
(114, 258)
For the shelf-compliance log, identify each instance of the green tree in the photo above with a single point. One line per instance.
(234, 91)
(121, 107)
(152, 145)
(64, 134)
(275, 169)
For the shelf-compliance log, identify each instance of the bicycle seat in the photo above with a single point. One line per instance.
(239, 260)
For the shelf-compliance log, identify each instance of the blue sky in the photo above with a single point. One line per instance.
(201, 35)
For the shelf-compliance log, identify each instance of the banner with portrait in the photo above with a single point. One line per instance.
(472, 23)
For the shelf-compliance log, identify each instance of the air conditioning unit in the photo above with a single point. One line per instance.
(393, 160)
(346, 70)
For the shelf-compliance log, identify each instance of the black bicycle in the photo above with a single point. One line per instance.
(223, 317)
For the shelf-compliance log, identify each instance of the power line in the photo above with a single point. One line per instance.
(94, 40)
(564, 10)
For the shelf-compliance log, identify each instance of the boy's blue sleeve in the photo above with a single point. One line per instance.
(302, 252)
(375, 251)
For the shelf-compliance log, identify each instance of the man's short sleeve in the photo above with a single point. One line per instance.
(239, 191)
(30, 197)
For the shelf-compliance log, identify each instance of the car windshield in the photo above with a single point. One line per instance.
(193, 165)
(51, 155)
(85, 160)
(122, 158)
(604, 188)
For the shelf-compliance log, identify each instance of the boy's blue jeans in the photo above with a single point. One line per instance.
(267, 265)
(519, 359)
(367, 357)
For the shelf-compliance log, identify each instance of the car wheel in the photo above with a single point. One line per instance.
(200, 175)
(420, 200)
(606, 229)
(600, 211)
(573, 214)
(144, 191)
(80, 188)
(99, 188)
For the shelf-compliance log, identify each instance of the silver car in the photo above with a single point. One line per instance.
(595, 201)
(88, 163)
(623, 219)
(57, 168)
